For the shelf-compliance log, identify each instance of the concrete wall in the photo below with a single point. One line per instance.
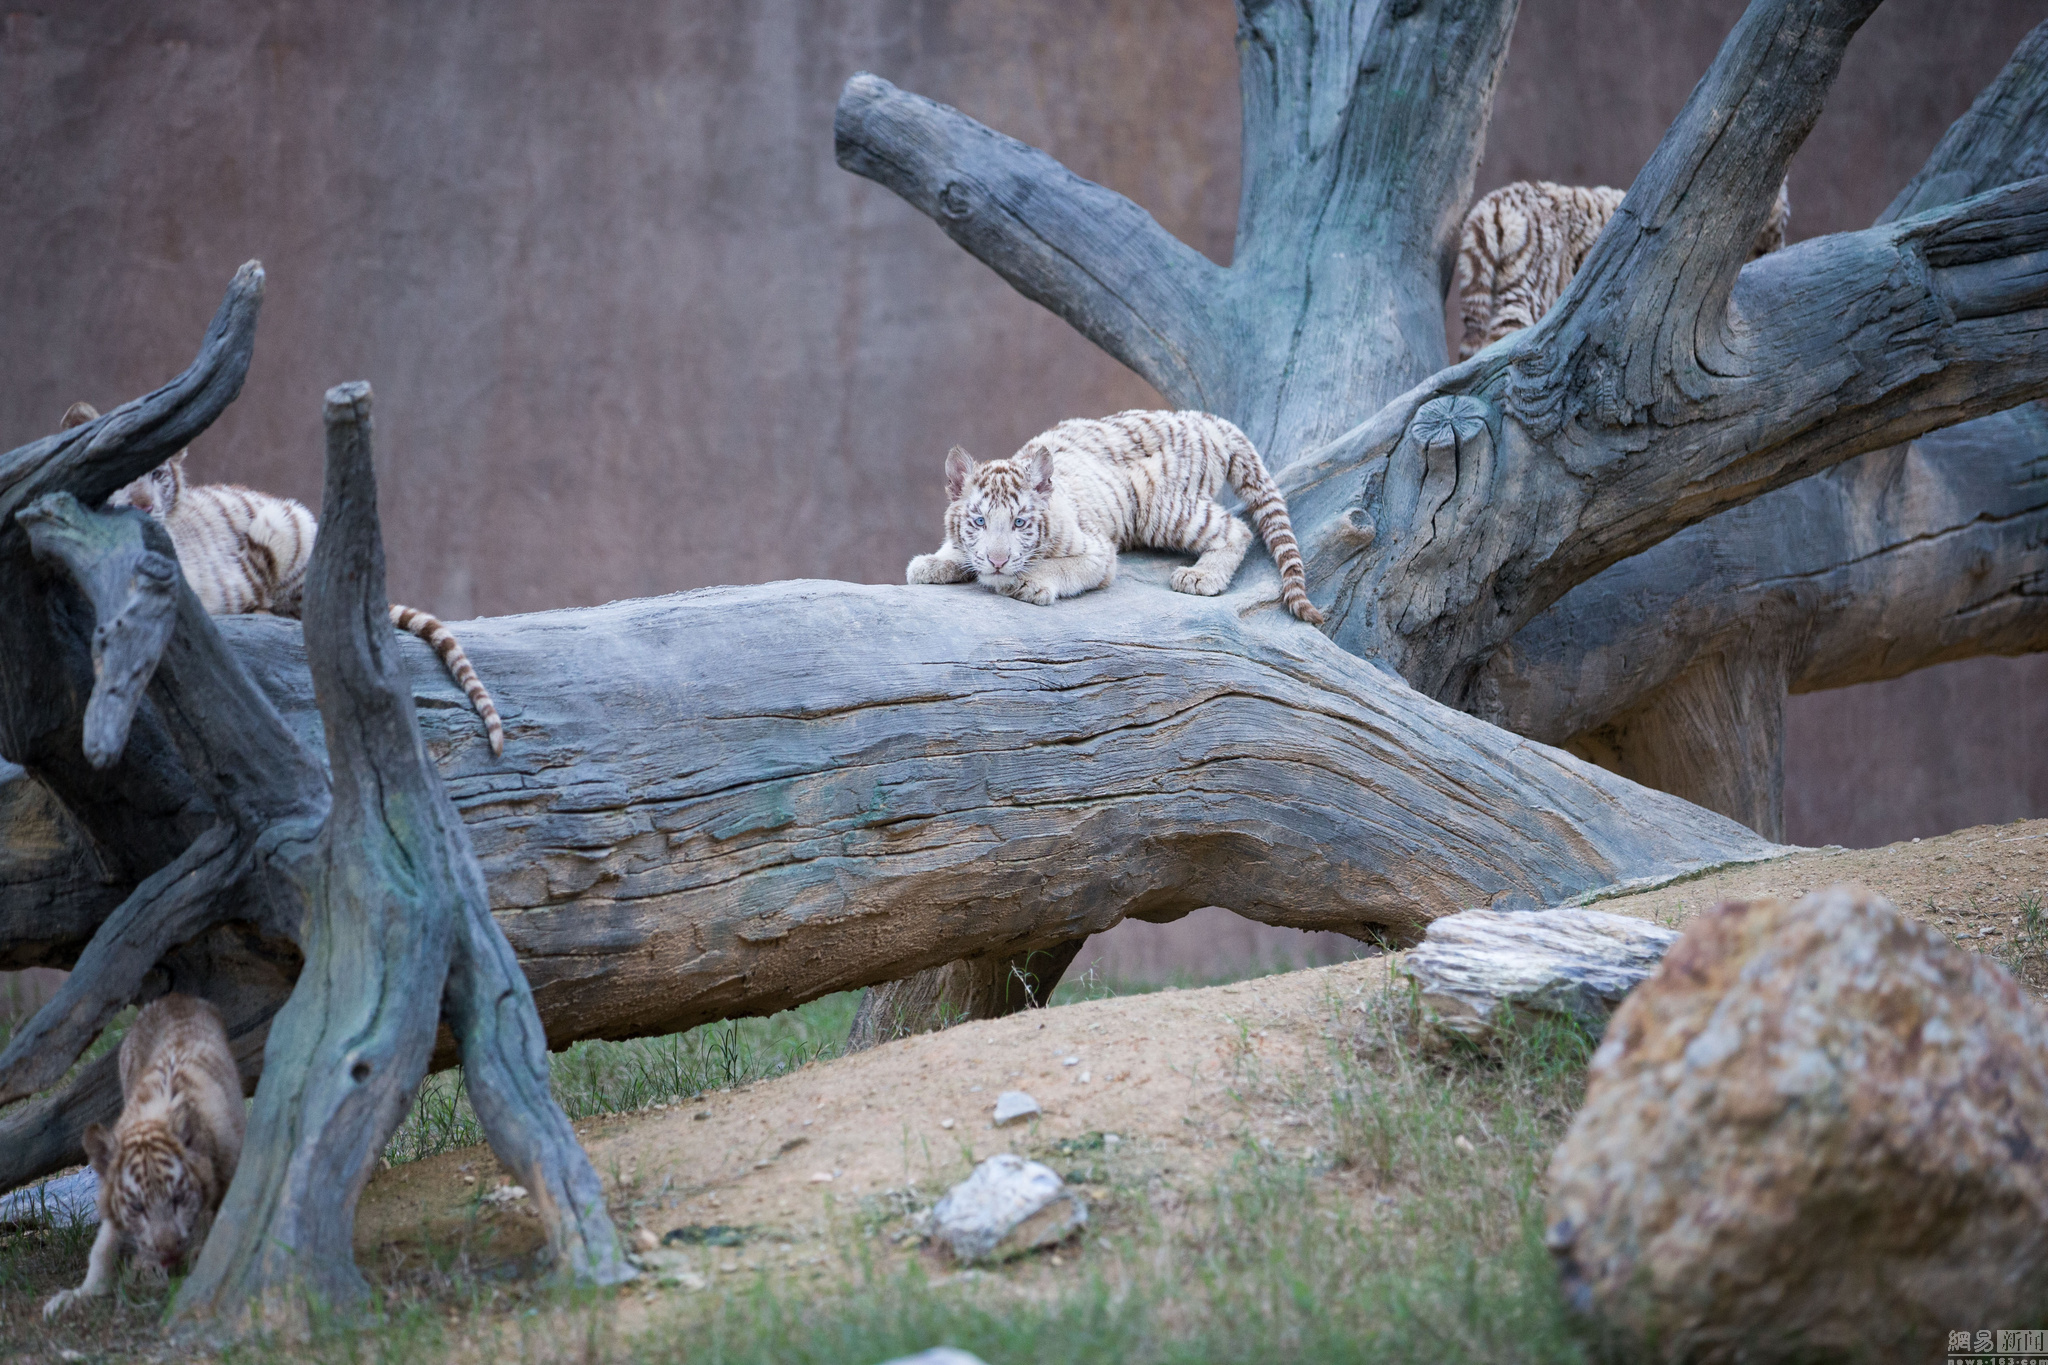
(632, 331)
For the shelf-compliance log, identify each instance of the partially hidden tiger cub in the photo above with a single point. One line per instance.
(246, 552)
(168, 1159)
(1047, 522)
(1522, 244)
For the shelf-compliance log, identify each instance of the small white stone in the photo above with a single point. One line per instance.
(1070, 1061)
(945, 1123)
(1012, 1105)
(1007, 1207)
(821, 1177)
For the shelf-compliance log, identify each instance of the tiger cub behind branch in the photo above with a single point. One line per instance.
(1522, 244)
(1047, 522)
(244, 551)
(168, 1160)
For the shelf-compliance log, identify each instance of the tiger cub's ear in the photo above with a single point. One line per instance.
(1038, 471)
(77, 415)
(959, 469)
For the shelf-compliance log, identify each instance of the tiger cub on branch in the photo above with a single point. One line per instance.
(167, 1163)
(245, 552)
(1522, 244)
(1047, 522)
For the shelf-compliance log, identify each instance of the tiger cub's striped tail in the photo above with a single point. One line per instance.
(444, 644)
(1248, 475)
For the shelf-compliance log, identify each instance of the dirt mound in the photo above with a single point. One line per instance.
(1152, 1087)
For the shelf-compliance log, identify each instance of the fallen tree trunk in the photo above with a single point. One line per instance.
(971, 777)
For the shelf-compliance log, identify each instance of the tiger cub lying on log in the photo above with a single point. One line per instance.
(166, 1165)
(246, 552)
(1522, 244)
(1047, 522)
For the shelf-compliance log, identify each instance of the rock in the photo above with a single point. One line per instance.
(67, 1199)
(937, 1355)
(670, 1269)
(1007, 1207)
(1816, 1132)
(1012, 1105)
(644, 1240)
(1575, 963)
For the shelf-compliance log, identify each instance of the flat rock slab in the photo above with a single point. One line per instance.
(1815, 1134)
(1574, 963)
(67, 1199)
(1007, 1207)
(1012, 1105)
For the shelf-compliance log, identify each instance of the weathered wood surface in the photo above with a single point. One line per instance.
(1363, 125)
(856, 782)
(1672, 667)
(392, 897)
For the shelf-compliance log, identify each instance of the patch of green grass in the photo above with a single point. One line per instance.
(608, 1078)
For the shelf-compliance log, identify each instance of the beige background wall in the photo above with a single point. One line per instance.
(632, 331)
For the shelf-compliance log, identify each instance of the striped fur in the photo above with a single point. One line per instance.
(244, 551)
(444, 644)
(1047, 522)
(1522, 244)
(166, 1164)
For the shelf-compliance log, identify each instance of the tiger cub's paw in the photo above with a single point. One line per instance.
(936, 569)
(62, 1300)
(1037, 594)
(1200, 582)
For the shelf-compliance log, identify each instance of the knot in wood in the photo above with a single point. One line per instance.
(1401, 9)
(156, 568)
(1451, 421)
(956, 201)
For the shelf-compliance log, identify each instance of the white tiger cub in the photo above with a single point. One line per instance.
(1521, 245)
(166, 1164)
(245, 552)
(1047, 522)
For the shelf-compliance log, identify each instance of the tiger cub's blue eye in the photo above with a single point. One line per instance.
(979, 521)
(1018, 523)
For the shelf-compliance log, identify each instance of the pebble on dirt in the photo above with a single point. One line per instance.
(1012, 1105)
(1817, 1131)
(1007, 1207)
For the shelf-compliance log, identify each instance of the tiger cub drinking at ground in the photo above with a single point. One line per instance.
(1047, 522)
(167, 1163)
(244, 551)
(1522, 244)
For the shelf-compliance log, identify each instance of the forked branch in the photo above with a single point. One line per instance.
(1087, 253)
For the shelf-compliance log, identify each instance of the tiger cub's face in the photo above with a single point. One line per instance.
(156, 492)
(997, 515)
(153, 1191)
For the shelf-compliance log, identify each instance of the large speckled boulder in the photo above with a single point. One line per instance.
(1816, 1132)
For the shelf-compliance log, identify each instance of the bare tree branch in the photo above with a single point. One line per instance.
(1363, 123)
(2003, 137)
(93, 460)
(1892, 562)
(132, 589)
(172, 905)
(1087, 253)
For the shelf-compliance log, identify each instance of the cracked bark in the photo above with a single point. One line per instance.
(373, 876)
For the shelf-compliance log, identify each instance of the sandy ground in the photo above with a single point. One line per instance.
(1156, 1091)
